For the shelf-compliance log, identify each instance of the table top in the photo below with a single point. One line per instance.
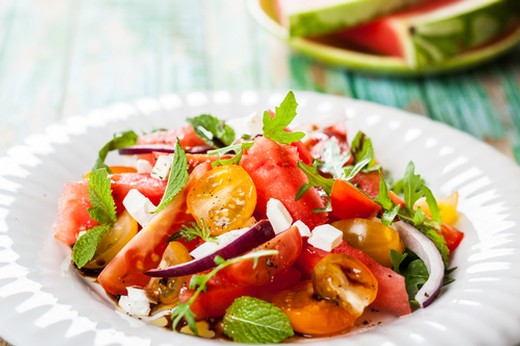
(63, 58)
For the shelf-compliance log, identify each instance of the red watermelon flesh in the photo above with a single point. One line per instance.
(391, 295)
(384, 36)
(274, 169)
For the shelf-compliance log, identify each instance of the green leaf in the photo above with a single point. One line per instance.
(212, 130)
(397, 258)
(440, 243)
(412, 186)
(274, 128)
(363, 150)
(389, 215)
(383, 199)
(192, 231)
(85, 247)
(120, 140)
(332, 160)
(416, 274)
(103, 208)
(315, 179)
(177, 179)
(237, 149)
(432, 204)
(251, 320)
(183, 311)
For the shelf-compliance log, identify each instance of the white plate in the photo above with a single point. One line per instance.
(42, 298)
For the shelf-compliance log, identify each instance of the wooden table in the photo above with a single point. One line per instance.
(60, 58)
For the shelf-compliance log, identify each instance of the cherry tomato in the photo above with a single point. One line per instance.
(348, 202)
(452, 236)
(372, 237)
(124, 229)
(311, 316)
(345, 280)
(447, 207)
(288, 244)
(166, 290)
(223, 199)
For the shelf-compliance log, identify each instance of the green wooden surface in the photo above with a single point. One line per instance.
(61, 58)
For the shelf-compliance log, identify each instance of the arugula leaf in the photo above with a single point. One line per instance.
(120, 140)
(251, 320)
(315, 179)
(177, 179)
(333, 160)
(103, 207)
(362, 149)
(274, 128)
(416, 274)
(212, 130)
(85, 247)
(397, 259)
(191, 232)
(390, 210)
(238, 149)
(440, 243)
(198, 283)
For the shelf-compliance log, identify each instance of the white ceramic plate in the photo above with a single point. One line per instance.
(42, 298)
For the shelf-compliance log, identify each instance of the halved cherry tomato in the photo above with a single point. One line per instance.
(224, 199)
(311, 316)
(346, 281)
(288, 244)
(166, 290)
(372, 237)
(452, 236)
(124, 229)
(348, 202)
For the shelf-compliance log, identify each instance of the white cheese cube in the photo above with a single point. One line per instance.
(278, 215)
(209, 247)
(250, 125)
(303, 228)
(325, 237)
(162, 167)
(139, 207)
(136, 302)
(143, 166)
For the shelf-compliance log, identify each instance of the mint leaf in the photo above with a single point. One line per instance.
(85, 247)
(251, 320)
(212, 130)
(177, 179)
(274, 128)
(120, 140)
(315, 179)
(103, 208)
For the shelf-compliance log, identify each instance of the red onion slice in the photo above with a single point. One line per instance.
(423, 247)
(258, 234)
(160, 148)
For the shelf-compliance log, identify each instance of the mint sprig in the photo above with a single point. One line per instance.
(120, 140)
(102, 210)
(252, 320)
(178, 177)
(274, 127)
(212, 130)
(198, 283)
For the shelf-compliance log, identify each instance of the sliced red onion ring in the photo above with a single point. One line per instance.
(258, 234)
(423, 247)
(160, 148)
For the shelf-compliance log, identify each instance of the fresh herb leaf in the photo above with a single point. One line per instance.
(397, 258)
(237, 149)
(390, 210)
(85, 247)
(212, 130)
(362, 149)
(251, 320)
(193, 231)
(198, 283)
(103, 208)
(440, 243)
(315, 179)
(274, 127)
(120, 140)
(416, 274)
(332, 160)
(178, 177)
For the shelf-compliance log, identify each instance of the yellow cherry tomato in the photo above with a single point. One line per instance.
(372, 237)
(223, 199)
(447, 207)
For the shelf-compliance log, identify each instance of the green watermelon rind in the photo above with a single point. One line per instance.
(327, 19)
(263, 12)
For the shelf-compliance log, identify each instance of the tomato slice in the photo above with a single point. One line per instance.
(145, 250)
(349, 203)
(452, 236)
(311, 316)
(288, 244)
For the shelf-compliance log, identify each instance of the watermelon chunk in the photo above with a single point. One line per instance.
(391, 295)
(435, 31)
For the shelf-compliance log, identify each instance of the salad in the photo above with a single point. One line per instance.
(253, 231)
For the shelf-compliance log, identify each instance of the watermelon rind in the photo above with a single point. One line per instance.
(264, 13)
(324, 17)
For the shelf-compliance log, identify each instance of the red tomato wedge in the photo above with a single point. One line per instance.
(391, 295)
(452, 236)
(367, 182)
(73, 204)
(145, 250)
(274, 170)
(288, 244)
(349, 203)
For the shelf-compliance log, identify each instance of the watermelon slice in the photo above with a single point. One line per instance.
(319, 17)
(433, 32)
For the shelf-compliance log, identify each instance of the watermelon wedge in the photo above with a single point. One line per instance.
(319, 17)
(437, 30)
